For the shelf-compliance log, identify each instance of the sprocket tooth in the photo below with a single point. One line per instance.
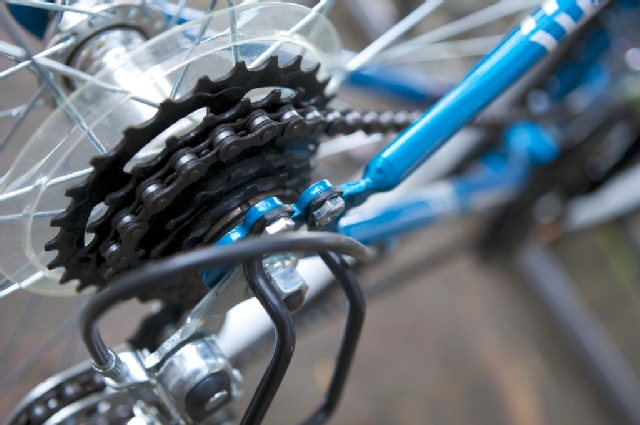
(54, 244)
(297, 97)
(94, 225)
(294, 65)
(76, 192)
(270, 64)
(58, 261)
(108, 182)
(243, 108)
(236, 75)
(64, 219)
(67, 276)
(103, 162)
(273, 97)
(172, 142)
(314, 70)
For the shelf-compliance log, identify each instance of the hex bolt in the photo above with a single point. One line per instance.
(280, 225)
(281, 271)
(329, 210)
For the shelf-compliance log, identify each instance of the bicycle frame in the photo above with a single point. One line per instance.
(537, 35)
(497, 176)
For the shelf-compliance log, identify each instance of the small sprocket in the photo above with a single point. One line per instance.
(197, 187)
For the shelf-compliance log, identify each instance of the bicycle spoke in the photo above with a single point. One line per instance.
(58, 18)
(51, 6)
(22, 115)
(392, 35)
(38, 353)
(5, 290)
(25, 319)
(8, 49)
(323, 7)
(232, 30)
(40, 214)
(471, 47)
(14, 112)
(469, 22)
(65, 360)
(196, 42)
(55, 89)
(182, 4)
(50, 183)
(346, 143)
(72, 72)
(145, 8)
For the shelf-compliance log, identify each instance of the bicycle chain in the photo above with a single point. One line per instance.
(164, 204)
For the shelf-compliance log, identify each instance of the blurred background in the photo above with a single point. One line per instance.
(451, 336)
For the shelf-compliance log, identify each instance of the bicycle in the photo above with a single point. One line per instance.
(151, 177)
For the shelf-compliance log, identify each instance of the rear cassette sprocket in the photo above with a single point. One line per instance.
(197, 179)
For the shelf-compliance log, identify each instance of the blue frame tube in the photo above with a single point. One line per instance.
(537, 35)
(434, 203)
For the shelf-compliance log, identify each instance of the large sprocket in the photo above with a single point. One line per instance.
(224, 175)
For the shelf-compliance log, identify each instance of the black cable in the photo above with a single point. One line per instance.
(165, 272)
(355, 321)
(284, 345)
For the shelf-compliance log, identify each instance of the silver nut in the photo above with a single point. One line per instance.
(281, 225)
(281, 270)
(328, 211)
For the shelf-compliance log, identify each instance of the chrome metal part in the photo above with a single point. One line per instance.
(116, 370)
(101, 50)
(199, 378)
(328, 211)
(281, 270)
(126, 370)
(207, 316)
(119, 24)
(281, 225)
(80, 395)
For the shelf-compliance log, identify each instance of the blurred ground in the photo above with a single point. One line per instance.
(464, 343)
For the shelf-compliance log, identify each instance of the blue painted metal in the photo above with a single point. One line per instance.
(398, 82)
(433, 203)
(212, 275)
(530, 142)
(524, 47)
(573, 72)
(304, 200)
(32, 19)
(498, 175)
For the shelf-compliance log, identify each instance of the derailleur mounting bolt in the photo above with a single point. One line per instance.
(281, 270)
(280, 225)
(329, 210)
